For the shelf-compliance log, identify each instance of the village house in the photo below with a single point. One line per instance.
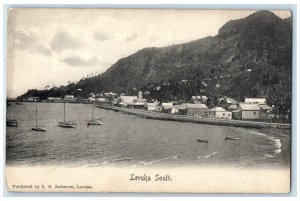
(249, 111)
(168, 108)
(54, 99)
(219, 112)
(69, 98)
(199, 99)
(151, 106)
(193, 109)
(100, 100)
(91, 100)
(32, 99)
(125, 100)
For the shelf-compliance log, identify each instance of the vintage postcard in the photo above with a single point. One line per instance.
(148, 100)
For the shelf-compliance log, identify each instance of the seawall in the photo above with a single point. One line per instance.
(204, 120)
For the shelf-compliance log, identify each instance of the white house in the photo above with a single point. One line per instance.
(151, 106)
(69, 98)
(127, 99)
(249, 111)
(219, 112)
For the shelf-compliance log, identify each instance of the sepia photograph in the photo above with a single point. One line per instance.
(148, 100)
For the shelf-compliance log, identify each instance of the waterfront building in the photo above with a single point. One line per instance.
(193, 109)
(69, 98)
(168, 108)
(219, 112)
(151, 106)
(54, 99)
(32, 99)
(249, 111)
(127, 99)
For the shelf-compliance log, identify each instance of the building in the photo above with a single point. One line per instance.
(69, 98)
(229, 101)
(193, 109)
(199, 99)
(265, 111)
(151, 106)
(136, 105)
(100, 100)
(261, 101)
(32, 99)
(219, 112)
(125, 100)
(54, 99)
(237, 114)
(249, 111)
(91, 100)
(232, 107)
(168, 108)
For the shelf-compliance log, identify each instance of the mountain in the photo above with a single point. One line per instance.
(250, 57)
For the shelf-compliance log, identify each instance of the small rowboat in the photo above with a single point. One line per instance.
(202, 140)
(231, 138)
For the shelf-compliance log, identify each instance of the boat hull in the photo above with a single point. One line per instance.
(95, 123)
(231, 138)
(66, 125)
(11, 123)
(39, 129)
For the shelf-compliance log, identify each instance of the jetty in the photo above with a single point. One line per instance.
(202, 120)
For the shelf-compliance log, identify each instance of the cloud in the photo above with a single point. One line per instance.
(76, 61)
(29, 41)
(131, 38)
(63, 41)
(101, 36)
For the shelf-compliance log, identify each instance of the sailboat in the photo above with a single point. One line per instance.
(67, 124)
(94, 121)
(37, 128)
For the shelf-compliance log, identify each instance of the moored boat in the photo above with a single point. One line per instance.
(94, 122)
(202, 140)
(11, 123)
(67, 124)
(231, 138)
(37, 128)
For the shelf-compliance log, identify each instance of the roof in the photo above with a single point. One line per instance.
(229, 100)
(152, 104)
(255, 100)
(218, 109)
(181, 107)
(249, 107)
(168, 107)
(128, 99)
(232, 107)
(265, 107)
(135, 103)
(167, 104)
(199, 106)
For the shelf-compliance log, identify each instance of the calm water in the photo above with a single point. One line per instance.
(127, 140)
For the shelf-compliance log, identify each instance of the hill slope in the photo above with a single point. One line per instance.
(250, 57)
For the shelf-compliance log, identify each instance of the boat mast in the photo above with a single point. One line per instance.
(64, 112)
(93, 112)
(35, 116)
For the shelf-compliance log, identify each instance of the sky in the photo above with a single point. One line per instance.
(52, 47)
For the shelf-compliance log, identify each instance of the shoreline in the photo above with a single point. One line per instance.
(204, 120)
